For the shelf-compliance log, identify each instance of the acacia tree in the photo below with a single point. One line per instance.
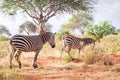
(4, 30)
(79, 22)
(28, 27)
(42, 10)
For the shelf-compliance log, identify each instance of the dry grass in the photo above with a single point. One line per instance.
(98, 54)
(52, 68)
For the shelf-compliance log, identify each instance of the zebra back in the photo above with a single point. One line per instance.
(32, 43)
(72, 41)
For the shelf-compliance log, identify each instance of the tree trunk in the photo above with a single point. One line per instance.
(41, 24)
(41, 28)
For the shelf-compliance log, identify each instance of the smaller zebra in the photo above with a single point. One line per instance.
(73, 42)
(20, 43)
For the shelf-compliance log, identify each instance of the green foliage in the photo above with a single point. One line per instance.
(4, 30)
(28, 27)
(69, 58)
(46, 5)
(79, 22)
(42, 10)
(62, 32)
(99, 31)
(3, 38)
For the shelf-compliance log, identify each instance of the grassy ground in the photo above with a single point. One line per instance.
(100, 63)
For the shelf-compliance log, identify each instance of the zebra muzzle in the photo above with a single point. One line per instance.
(53, 46)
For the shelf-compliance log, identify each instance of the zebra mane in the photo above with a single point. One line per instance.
(69, 35)
(45, 36)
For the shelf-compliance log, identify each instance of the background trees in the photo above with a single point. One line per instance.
(42, 10)
(79, 22)
(4, 30)
(98, 31)
(27, 27)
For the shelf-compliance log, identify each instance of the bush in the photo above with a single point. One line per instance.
(111, 43)
(90, 54)
(97, 54)
(62, 32)
(68, 58)
(98, 31)
(3, 38)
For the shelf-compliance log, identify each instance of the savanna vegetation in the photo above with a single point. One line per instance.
(103, 56)
(99, 62)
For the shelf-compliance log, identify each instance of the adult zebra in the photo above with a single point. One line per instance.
(24, 43)
(73, 42)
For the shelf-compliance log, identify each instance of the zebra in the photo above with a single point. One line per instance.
(20, 43)
(73, 42)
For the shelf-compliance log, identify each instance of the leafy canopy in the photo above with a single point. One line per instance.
(42, 10)
(79, 22)
(98, 31)
(27, 27)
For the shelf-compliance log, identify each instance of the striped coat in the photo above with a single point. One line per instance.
(24, 43)
(73, 42)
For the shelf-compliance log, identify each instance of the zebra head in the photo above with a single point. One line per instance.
(51, 39)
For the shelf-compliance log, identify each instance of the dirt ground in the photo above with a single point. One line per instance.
(51, 68)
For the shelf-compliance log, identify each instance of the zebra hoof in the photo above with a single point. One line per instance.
(10, 67)
(19, 67)
(35, 66)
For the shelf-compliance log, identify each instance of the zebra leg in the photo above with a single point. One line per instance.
(69, 49)
(62, 51)
(35, 59)
(79, 52)
(93, 45)
(13, 50)
(17, 55)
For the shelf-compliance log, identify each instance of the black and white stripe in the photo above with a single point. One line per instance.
(73, 42)
(24, 43)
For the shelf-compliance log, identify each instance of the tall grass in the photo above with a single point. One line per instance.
(4, 49)
(98, 54)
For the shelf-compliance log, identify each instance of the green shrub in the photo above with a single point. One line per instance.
(3, 38)
(98, 31)
(62, 32)
(69, 58)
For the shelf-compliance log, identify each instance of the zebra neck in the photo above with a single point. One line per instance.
(44, 39)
